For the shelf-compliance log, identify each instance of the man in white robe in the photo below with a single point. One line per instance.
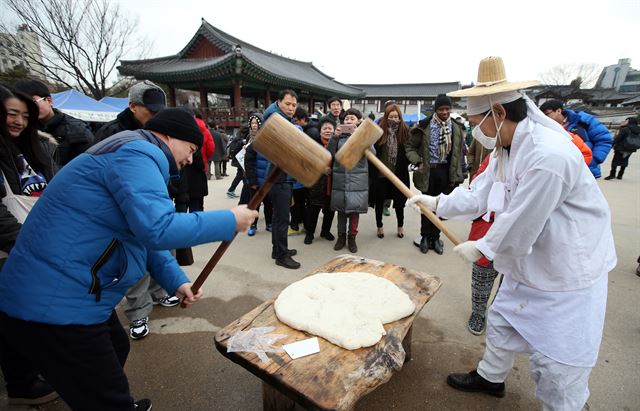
(551, 240)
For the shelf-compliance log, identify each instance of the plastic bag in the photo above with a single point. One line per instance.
(256, 340)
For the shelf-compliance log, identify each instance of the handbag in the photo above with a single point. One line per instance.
(18, 205)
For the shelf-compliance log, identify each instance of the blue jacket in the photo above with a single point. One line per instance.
(594, 134)
(113, 195)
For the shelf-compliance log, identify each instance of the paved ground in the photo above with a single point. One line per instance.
(178, 367)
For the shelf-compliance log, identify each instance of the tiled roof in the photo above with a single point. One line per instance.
(295, 73)
(416, 90)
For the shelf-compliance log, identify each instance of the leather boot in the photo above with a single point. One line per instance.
(342, 240)
(473, 382)
(611, 175)
(353, 247)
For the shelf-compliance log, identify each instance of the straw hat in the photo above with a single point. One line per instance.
(492, 79)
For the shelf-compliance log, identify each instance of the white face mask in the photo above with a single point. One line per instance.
(487, 142)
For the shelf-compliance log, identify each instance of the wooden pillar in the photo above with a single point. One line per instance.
(236, 95)
(204, 101)
(255, 102)
(171, 97)
(311, 104)
(267, 97)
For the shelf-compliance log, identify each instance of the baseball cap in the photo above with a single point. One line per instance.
(149, 95)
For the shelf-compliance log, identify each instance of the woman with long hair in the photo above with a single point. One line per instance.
(26, 165)
(26, 155)
(390, 150)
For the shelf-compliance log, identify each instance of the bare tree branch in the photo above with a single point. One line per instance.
(82, 41)
(565, 74)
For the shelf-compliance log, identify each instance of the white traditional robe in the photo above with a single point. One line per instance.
(552, 241)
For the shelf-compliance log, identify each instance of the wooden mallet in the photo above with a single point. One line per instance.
(289, 150)
(358, 144)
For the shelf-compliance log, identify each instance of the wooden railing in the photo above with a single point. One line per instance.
(226, 117)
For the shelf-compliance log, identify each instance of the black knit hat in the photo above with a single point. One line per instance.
(442, 100)
(176, 123)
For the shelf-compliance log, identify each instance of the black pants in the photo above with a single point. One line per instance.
(238, 178)
(245, 196)
(311, 219)
(438, 184)
(299, 207)
(281, 199)
(383, 193)
(224, 167)
(83, 363)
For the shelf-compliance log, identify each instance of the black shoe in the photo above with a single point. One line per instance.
(40, 392)
(437, 246)
(327, 235)
(142, 405)
(424, 245)
(472, 382)
(308, 238)
(619, 177)
(353, 247)
(342, 241)
(290, 253)
(609, 177)
(288, 262)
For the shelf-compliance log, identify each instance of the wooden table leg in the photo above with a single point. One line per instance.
(273, 400)
(406, 344)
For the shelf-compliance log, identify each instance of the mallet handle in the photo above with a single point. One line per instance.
(407, 192)
(222, 248)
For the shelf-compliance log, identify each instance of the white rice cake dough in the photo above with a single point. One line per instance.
(346, 308)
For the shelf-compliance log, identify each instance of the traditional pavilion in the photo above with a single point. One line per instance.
(216, 62)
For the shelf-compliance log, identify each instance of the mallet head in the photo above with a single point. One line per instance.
(292, 150)
(364, 137)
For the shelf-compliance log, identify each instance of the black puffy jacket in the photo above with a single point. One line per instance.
(73, 136)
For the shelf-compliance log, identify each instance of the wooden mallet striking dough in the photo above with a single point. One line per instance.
(289, 150)
(358, 145)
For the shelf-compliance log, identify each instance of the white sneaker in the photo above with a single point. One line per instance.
(167, 301)
(139, 328)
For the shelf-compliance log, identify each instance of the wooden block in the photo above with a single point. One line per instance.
(335, 378)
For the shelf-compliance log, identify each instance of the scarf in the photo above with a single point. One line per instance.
(392, 145)
(444, 137)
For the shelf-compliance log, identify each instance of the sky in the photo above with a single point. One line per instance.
(408, 41)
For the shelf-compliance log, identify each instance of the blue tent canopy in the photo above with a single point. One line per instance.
(85, 108)
(410, 119)
(117, 102)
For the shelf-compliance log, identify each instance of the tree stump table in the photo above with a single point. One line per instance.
(334, 378)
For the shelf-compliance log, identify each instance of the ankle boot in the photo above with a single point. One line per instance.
(620, 173)
(342, 240)
(353, 247)
(611, 175)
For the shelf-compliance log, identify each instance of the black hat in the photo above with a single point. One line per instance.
(176, 123)
(149, 95)
(442, 100)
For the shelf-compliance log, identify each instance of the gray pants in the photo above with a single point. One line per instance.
(140, 298)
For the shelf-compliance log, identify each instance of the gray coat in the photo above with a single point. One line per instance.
(349, 188)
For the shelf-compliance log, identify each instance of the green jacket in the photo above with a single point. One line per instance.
(417, 149)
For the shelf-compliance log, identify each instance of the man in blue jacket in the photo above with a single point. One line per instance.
(280, 193)
(102, 222)
(593, 132)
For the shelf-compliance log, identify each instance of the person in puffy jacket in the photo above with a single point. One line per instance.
(594, 133)
(622, 150)
(102, 222)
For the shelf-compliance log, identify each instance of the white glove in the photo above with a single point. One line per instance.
(428, 201)
(468, 251)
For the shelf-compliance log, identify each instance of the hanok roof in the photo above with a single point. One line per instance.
(412, 90)
(211, 57)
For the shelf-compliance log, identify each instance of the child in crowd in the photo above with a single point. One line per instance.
(350, 188)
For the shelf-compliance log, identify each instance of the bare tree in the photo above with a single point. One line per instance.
(583, 75)
(82, 41)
